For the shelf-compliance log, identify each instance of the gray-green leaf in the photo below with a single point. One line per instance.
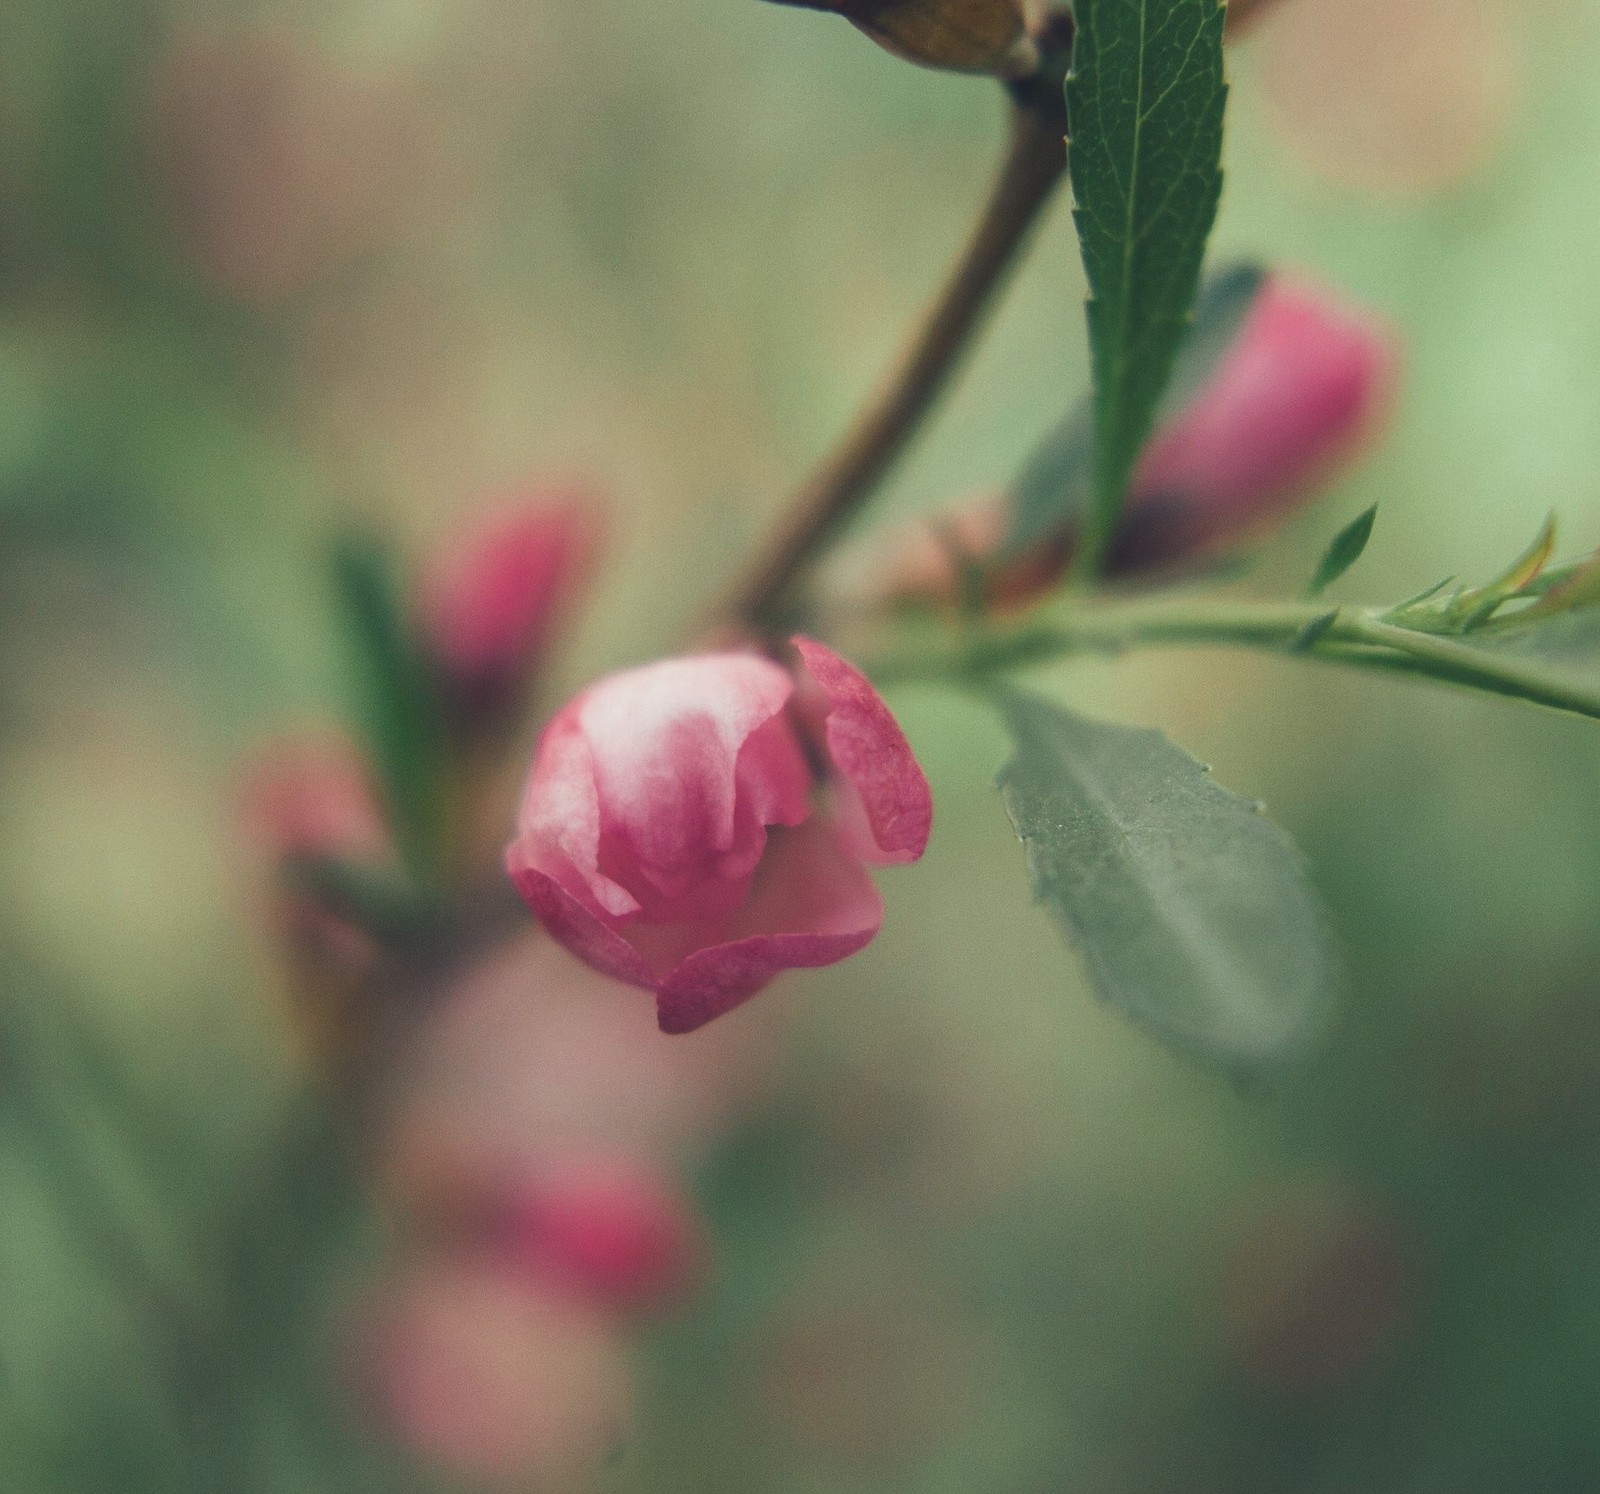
(1145, 100)
(1193, 912)
(1347, 548)
(404, 726)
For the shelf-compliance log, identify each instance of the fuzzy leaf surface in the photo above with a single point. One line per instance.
(1192, 911)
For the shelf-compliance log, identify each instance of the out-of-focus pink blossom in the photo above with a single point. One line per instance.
(1296, 395)
(493, 599)
(1304, 385)
(669, 833)
(309, 798)
(533, 1055)
(611, 1227)
(314, 796)
(1423, 112)
(492, 1377)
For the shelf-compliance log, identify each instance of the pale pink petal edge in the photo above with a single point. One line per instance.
(575, 928)
(814, 904)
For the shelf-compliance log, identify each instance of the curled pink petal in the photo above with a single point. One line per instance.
(575, 928)
(871, 754)
(813, 905)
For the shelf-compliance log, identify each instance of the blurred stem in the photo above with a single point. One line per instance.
(58, 1092)
(1035, 161)
(1357, 636)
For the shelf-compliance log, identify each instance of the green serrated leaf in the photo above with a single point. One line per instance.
(404, 728)
(1192, 911)
(1347, 548)
(1145, 100)
(1226, 295)
(1055, 489)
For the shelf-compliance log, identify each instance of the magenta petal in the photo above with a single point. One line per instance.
(813, 904)
(574, 927)
(871, 754)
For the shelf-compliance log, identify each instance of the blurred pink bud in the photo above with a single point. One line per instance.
(491, 1377)
(1301, 388)
(920, 563)
(314, 796)
(615, 1229)
(1295, 397)
(311, 798)
(668, 835)
(494, 598)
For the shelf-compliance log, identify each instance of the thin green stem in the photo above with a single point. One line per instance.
(1034, 164)
(1355, 636)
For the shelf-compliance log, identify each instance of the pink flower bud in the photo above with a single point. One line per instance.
(613, 1229)
(493, 600)
(1292, 400)
(314, 796)
(309, 799)
(1299, 390)
(670, 837)
(493, 1378)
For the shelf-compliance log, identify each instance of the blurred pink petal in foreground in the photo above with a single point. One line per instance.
(668, 835)
(314, 796)
(493, 599)
(614, 1229)
(1390, 95)
(488, 1376)
(535, 1056)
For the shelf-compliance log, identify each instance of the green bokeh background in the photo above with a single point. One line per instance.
(670, 247)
